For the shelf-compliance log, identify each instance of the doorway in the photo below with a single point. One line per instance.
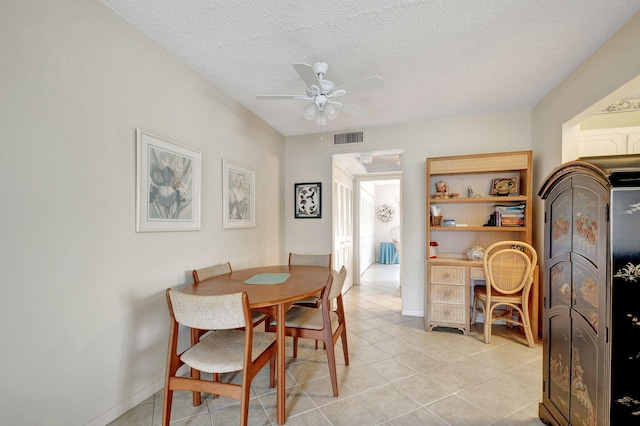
(362, 184)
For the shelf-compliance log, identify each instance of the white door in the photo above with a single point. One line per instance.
(343, 225)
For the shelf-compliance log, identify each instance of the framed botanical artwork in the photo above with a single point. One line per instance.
(238, 196)
(505, 186)
(308, 200)
(168, 185)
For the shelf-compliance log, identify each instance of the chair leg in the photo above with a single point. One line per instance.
(345, 349)
(331, 360)
(295, 347)
(526, 324)
(244, 405)
(488, 315)
(167, 401)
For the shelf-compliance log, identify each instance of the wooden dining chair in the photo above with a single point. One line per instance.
(196, 334)
(310, 260)
(232, 345)
(326, 323)
(508, 268)
(221, 269)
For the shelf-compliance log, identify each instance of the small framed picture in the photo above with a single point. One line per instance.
(308, 200)
(505, 186)
(238, 196)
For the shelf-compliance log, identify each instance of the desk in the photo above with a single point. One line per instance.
(387, 253)
(272, 299)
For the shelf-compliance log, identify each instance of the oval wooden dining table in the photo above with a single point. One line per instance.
(272, 299)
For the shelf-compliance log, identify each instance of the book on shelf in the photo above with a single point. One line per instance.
(509, 214)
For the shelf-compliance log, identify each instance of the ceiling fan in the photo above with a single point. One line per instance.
(323, 93)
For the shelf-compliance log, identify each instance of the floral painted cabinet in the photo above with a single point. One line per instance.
(592, 293)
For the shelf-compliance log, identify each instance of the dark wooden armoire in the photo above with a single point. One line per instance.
(591, 298)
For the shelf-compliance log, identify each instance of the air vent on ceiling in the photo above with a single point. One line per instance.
(340, 139)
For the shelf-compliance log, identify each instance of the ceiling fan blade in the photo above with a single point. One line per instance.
(307, 74)
(281, 97)
(369, 83)
(353, 110)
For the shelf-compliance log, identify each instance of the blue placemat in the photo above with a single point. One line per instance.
(268, 279)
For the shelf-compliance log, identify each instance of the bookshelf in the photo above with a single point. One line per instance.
(468, 190)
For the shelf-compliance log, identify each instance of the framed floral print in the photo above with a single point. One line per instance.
(238, 196)
(308, 200)
(168, 185)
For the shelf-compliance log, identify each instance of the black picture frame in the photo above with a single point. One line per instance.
(308, 200)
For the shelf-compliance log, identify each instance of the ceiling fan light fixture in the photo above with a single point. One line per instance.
(321, 119)
(309, 112)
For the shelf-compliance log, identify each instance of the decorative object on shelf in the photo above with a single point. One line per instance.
(308, 200)
(475, 253)
(504, 186)
(238, 196)
(385, 213)
(168, 185)
(436, 220)
(446, 195)
(469, 192)
(433, 249)
(449, 222)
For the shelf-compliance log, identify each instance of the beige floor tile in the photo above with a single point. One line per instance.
(297, 402)
(456, 411)
(421, 416)
(352, 411)
(421, 388)
(313, 417)
(389, 402)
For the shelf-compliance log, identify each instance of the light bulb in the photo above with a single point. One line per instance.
(309, 112)
(321, 119)
(331, 111)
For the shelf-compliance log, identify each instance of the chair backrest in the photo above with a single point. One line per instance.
(509, 266)
(310, 259)
(338, 283)
(211, 271)
(221, 312)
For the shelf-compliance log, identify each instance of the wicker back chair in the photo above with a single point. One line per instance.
(508, 267)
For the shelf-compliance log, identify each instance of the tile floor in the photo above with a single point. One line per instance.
(398, 375)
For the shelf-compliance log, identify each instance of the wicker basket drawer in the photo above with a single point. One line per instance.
(447, 294)
(454, 314)
(451, 275)
(476, 273)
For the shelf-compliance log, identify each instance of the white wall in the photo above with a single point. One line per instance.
(308, 159)
(606, 76)
(84, 320)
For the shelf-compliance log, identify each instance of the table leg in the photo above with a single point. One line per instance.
(280, 366)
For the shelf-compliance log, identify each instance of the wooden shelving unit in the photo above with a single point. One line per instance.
(446, 304)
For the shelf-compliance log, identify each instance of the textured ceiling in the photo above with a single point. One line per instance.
(438, 58)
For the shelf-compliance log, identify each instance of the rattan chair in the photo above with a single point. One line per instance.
(231, 346)
(311, 260)
(326, 323)
(508, 267)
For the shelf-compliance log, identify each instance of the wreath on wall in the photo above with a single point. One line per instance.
(385, 213)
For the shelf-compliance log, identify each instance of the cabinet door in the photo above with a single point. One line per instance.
(559, 230)
(558, 367)
(586, 363)
(625, 313)
(590, 200)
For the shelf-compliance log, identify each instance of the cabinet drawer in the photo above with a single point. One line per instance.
(476, 273)
(454, 314)
(451, 275)
(447, 294)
